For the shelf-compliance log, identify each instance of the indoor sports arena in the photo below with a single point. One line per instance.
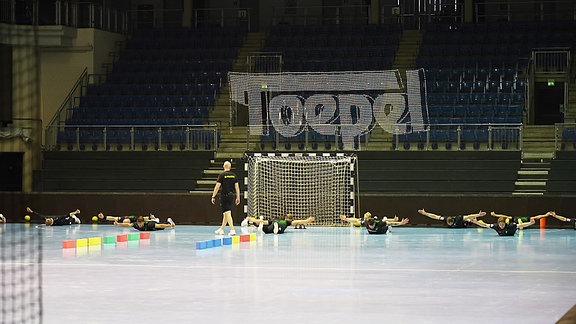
(400, 161)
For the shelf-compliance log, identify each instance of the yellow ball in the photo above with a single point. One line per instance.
(94, 219)
(27, 218)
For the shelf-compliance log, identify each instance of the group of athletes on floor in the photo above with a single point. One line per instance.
(505, 226)
(228, 190)
(141, 223)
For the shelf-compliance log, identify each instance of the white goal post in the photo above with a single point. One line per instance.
(323, 185)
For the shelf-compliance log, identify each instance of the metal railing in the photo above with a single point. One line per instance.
(416, 14)
(489, 137)
(502, 136)
(67, 107)
(132, 137)
(77, 14)
(222, 17)
(317, 15)
(565, 136)
(525, 10)
(143, 18)
(551, 60)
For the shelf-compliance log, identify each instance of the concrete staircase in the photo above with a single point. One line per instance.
(234, 139)
(405, 59)
(538, 146)
(539, 141)
(532, 176)
(210, 175)
(408, 50)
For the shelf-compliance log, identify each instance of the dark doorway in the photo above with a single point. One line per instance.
(548, 103)
(11, 171)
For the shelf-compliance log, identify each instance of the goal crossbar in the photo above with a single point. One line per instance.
(302, 184)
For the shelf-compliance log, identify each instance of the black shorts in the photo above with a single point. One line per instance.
(268, 229)
(227, 201)
(148, 227)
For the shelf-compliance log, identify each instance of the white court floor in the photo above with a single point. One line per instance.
(317, 275)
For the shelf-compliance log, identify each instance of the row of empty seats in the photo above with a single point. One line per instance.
(283, 30)
(160, 101)
(479, 73)
(502, 50)
(462, 137)
(461, 62)
(319, 53)
(179, 89)
(321, 48)
(323, 65)
(163, 77)
(140, 112)
(465, 98)
(178, 55)
(184, 43)
(568, 138)
(508, 40)
(475, 73)
(484, 43)
(470, 120)
(187, 33)
(119, 138)
(502, 27)
(476, 111)
(480, 87)
(179, 67)
(146, 78)
(333, 41)
(127, 121)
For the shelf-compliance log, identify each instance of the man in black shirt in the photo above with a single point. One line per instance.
(227, 184)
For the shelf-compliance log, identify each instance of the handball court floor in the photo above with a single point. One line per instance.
(313, 275)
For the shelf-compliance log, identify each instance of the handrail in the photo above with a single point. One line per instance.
(524, 10)
(161, 137)
(65, 13)
(222, 17)
(82, 80)
(504, 133)
(553, 60)
(559, 135)
(307, 15)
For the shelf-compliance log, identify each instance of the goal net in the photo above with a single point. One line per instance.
(301, 184)
(20, 274)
